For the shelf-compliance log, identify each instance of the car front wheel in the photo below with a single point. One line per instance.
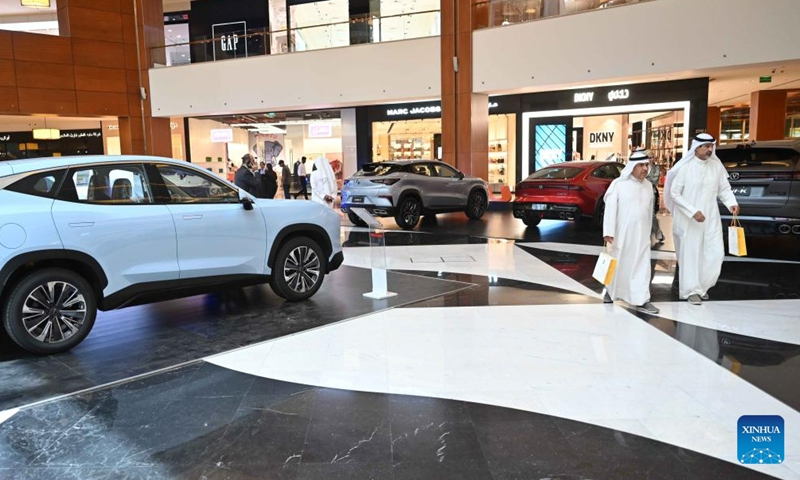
(408, 213)
(50, 311)
(476, 205)
(299, 269)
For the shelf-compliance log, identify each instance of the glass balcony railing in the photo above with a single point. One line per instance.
(234, 43)
(498, 13)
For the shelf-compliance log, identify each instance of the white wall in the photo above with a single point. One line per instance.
(650, 38)
(347, 76)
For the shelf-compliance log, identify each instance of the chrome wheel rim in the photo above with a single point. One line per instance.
(411, 212)
(478, 206)
(302, 269)
(54, 312)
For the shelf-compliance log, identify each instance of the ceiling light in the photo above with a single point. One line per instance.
(46, 134)
(35, 3)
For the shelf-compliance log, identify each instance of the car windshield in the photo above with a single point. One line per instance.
(560, 173)
(774, 159)
(378, 170)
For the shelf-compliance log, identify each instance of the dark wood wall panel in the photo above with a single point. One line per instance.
(8, 78)
(32, 47)
(44, 100)
(8, 100)
(96, 25)
(97, 79)
(132, 79)
(92, 53)
(104, 5)
(128, 29)
(45, 75)
(102, 103)
(6, 45)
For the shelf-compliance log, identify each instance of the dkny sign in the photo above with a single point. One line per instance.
(597, 139)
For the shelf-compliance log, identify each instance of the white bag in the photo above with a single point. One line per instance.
(605, 268)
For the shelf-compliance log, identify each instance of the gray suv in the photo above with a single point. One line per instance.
(765, 177)
(406, 190)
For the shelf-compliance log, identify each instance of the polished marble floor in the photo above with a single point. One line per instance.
(497, 360)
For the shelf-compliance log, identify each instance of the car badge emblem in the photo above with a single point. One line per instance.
(734, 176)
(541, 187)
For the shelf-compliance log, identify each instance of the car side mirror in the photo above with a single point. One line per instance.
(245, 200)
(460, 175)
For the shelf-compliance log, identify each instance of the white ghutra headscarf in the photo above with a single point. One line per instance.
(639, 156)
(326, 171)
(697, 142)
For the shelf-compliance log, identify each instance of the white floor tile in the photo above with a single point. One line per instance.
(589, 363)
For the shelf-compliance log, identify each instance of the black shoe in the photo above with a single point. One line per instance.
(607, 298)
(648, 308)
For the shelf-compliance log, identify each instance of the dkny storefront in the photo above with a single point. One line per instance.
(531, 131)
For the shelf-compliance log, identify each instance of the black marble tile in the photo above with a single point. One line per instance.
(343, 407)
(90, 445)
(142, 339)
(533, 439)
(57, 473)
(588, 440)
(407, 413)
(525, 470)
(249, 444)
(435, 443)
(467, 469)
(161, 472)
(344, 471)
(338, 443)
(227, 472)
(178, 445)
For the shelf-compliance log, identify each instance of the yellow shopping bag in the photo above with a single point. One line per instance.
(605, 268)
(736, 243)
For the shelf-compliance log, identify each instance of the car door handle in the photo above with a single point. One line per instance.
(192, 217)
(81, 224)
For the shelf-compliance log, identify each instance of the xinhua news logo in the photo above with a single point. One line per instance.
(761, 439)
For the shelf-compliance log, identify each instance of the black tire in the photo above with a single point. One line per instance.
(356, 220)
(408, 212)
(599, 212)
(477, 205)
(68, 306)
(531, 219)
(303, 256)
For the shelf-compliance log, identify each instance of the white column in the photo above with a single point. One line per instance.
(349, 153)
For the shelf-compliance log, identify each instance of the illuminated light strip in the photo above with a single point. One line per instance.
(585, 112)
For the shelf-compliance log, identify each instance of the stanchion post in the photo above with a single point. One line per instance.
(377, 253)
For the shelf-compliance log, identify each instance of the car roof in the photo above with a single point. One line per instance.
(580, 164)
(794, 143)
(46, 163)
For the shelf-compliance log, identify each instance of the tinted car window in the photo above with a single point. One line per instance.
(561, 173)
(188, 186)
(444, 170)
(421, 169)
(40, 184)
(379, 169)
(774, 159)
(106, 184)
(609, 172)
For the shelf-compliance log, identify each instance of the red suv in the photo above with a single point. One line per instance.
(566, 191)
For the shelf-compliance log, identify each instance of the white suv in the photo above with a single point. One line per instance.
(81, 234)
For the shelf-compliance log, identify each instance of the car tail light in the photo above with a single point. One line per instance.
(385, 181)
(387, 197)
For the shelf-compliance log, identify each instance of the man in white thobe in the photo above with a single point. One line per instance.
(691, 191)
(323, 183)
(627, 223)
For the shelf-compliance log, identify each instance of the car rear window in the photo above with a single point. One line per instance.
(560, 173)
(762, 159)
(40, 184)
(379, 170)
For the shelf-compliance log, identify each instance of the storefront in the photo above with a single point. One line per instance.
(530, 131)
(17, 145)
(413, 131)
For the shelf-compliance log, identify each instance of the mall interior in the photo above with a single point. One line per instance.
(497, 358)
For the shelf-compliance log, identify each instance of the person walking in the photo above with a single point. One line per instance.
(323, 182)
(269, 179)
(691, 191)
(286, 180)
(301, 176)
(626, 227)
(244, 177)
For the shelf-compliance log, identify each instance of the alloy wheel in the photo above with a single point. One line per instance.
(479, 205)
(302, 269)
(53, 312)
(411, 212)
